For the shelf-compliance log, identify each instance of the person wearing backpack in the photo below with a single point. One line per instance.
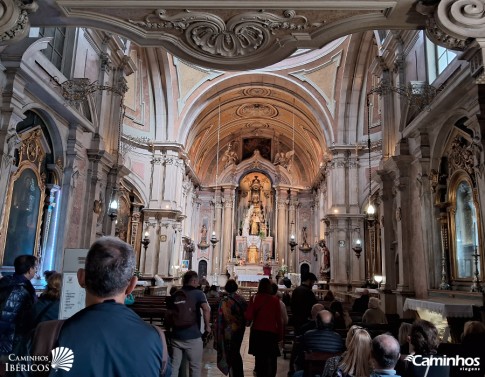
(183, 316)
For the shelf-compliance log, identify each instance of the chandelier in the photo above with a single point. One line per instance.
(77, 89)
(419, 94)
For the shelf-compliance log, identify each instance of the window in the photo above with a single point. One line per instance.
(55, 50)
(438, 58)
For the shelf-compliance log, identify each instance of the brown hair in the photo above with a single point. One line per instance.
(53, 289)
(424, 337)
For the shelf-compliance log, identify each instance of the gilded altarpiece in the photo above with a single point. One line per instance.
(22, 219)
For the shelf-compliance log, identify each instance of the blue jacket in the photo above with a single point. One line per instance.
(17, 297)
(45, 310)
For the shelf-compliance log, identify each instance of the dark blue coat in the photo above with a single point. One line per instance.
(45, 310)
(17, 297)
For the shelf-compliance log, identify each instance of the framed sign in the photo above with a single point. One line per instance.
(163, 238)
(185, 264)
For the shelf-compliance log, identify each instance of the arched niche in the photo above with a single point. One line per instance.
(22, 218)
(464, 218)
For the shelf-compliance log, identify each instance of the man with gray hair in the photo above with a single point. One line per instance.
(385, 354)
(107, 338)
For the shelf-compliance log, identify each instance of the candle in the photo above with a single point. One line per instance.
(283, 261)
(473, 233)
(147, 234)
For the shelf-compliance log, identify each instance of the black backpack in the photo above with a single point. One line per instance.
(181, 310)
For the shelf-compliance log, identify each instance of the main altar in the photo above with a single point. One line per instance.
(254, 243)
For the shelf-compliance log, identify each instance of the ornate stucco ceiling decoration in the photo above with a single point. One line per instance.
(257, 110)
(271, 117)
(232, 35)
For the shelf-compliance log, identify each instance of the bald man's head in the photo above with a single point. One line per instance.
(316, 309)
(385, 351)
(324, 319)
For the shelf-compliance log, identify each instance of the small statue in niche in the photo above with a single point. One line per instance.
(304, 235)
(203, 234)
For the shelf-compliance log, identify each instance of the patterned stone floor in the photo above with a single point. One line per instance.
(210, 362)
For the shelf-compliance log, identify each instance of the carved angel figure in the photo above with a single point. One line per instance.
(229, 157)
(284, 159)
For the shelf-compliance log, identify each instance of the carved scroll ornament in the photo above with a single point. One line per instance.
(461, 156)
(242, 35)
(14, 20)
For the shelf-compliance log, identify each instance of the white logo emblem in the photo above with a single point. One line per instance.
(465, 364)
(62, 358)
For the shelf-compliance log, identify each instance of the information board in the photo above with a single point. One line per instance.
(73, 295)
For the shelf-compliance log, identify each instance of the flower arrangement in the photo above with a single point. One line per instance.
(283, 269)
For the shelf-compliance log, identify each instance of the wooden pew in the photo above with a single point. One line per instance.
(150, 308)
(315, 362)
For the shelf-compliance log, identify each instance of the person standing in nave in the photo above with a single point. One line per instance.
(267, 329)
(106, 334)
(302, 300)
(229, 331)
(188, 341)
(47, 307)
(17, 299)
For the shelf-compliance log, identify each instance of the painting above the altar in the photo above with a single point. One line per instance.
(263, 145)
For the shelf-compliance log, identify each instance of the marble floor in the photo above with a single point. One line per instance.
(210, 361)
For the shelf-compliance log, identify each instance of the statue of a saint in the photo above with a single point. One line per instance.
(325, 262)
(203, 234)
(255, 191)
(254, 226)
(304, 235)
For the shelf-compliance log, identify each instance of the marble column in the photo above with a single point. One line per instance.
(388, 235)
(228, 201)
(282, 232)
(216, 250)
(293, 230)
